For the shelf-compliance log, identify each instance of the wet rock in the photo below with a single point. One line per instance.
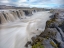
(62, 26)
(54, 22)
(56, 15)
(59, 22)
(49, 22)
(53, 44)
(48, 43)
(49, 32)
(45, 38)
(49, 38)
(28, 43)
(62, 45)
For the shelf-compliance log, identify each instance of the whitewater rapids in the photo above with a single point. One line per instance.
(16, 35)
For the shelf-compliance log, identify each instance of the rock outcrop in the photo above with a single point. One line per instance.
(52, 36)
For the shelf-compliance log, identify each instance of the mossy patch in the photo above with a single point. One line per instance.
(38, 42)
(38, 45)
(53, 44)
(48, 23)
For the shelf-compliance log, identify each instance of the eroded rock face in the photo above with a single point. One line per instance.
(62, 26)
(49, 33)
(28, 12)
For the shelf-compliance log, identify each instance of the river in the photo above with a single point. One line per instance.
(16, 34)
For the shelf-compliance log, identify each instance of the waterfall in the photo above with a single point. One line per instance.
(18, 14)
(22, 13)
(14, 14)
(10, 17)
(2, 18)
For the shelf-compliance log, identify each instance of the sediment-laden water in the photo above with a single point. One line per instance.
(15, 31)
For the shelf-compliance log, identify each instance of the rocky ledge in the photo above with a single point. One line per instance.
(52, 36)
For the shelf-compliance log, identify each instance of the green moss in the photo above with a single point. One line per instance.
(38, 45)
(41, 46)
(53, 44)
(49, 22)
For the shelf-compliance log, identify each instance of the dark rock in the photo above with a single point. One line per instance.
(28, 43)
(49, 32)
(62, 26)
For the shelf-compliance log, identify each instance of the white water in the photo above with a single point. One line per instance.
(15, 35)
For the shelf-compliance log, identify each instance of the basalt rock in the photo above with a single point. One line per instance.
(62, 26)
(49, 33)
(55, 20)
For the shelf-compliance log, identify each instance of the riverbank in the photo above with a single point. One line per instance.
(52, 36)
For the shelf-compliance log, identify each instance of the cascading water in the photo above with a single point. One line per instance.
(2, 19)
(15, 35)
(14, 14)
(10, 16)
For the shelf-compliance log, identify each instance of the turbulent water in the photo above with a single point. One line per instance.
(15, 32)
